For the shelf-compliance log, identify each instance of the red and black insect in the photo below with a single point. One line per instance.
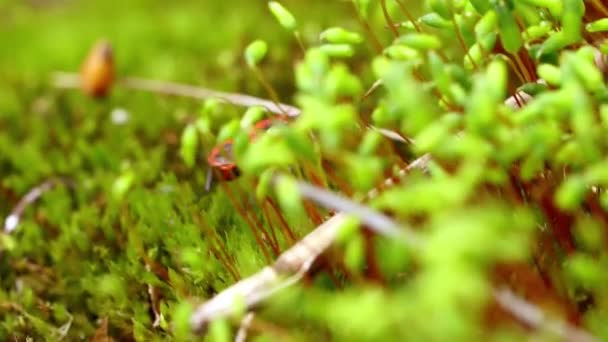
(221, 157)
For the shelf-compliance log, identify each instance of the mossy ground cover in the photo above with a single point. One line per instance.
(479, 215)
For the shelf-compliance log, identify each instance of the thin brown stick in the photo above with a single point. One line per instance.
(220, 254)
(600, 7)
(259, 225)
(289, 268)
(388, 19)
(298, 37)
(252, 226)
(379, 223)
(533, 316)
(12, 220)
(368, 29)
(408, 15)
(287, 233)
(72, 81)
(462, 43)
(270, 90)
(271, 227)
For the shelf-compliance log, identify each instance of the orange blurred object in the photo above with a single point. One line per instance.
(97, 71)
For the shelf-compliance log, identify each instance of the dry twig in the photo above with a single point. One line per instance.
(298, 259)
(14, 218)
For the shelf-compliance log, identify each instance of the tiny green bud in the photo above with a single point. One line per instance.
(204, 126)
(570, 194)
(349, 229)
(588, 73)
(122, 184)
(252, 115)
(509, 30)
(435, 20)
(363, 171)
(488, 41)
(554, 43)
(362, 7)
(229, 130)
(486, 24)
(338, 50)
(283, 16)
(584, 270)
(211, 109)
(481, 6)
(380, 115)
(473, 57)
(496, 74)
(381, 66)
(354, 254)
(550, 73)
(370, 142)
(537, 31)
(340, 82)
(255, 52)
(572, 19)
(604, 115)
(420, 41)
(188, 145)
(408, 25)
(338, 35)
(533, 88)
(554, 6)
(288, 194)
(442, 7)
(401, 52)
(261, 190)
(431, 137)
(597, 26)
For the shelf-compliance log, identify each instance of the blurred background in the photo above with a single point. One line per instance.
(192, 42)
(189, 41)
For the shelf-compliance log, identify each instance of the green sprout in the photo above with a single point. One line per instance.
(255, 52)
